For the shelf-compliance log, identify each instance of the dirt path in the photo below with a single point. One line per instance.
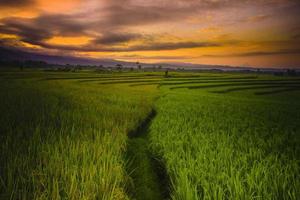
(148, 174)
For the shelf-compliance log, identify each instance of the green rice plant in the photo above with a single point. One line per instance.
(62, 140)
(224, 146)
(65, 136)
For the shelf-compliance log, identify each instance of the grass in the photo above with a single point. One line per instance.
(224, 146)
(88, 135)
(66, 141)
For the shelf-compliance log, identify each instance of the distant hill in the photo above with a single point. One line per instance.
(14, 54)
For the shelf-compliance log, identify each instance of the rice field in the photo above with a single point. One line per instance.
(141, 135)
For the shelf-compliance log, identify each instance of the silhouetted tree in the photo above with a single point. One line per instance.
(291, 72)
(166, 73)
(139, 66)
(119, 67)
(21, 66)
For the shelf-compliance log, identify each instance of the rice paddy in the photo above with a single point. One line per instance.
(141, 135)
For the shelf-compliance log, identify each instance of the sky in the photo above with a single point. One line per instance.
(257, 33)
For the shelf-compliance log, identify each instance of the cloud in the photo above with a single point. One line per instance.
(256, 18)
(296, 36)
(136, 56)
(36, 30)
(62, 24)
(155, 46)
(141, 12)
(10, 43)
(259, 53)
(15, 3)
(116, 38)
(110, 25)
(24, 29)
(263, 53)
(158, 46)
(133, 15)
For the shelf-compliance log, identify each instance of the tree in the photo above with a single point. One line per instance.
(166, 73)
(119, 66)
(291, 72)
(21, 66)
(139, 66)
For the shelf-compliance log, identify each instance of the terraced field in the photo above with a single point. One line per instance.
(146, 136)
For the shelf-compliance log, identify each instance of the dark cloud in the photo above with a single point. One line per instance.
(295, 33)
(15, 3)
(10, 43)
(157, 46)
(132, 15)
(264, 53)
(296, 36)
(116, 38)
(111, 27)
(171, 46)
(158, 57)
(61, 24)
(36, 31)
(26, 30)
(256, 18)
(135, 56)
(259, 53)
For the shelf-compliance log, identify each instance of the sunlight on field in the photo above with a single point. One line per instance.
(89, 135)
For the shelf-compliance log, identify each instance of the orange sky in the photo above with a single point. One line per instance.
(263, 33)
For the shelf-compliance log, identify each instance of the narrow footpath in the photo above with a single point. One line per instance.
(147, 172)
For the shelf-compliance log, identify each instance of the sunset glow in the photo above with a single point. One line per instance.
(263, 33)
